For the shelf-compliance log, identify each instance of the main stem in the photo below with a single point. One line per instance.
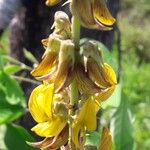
(73, 86)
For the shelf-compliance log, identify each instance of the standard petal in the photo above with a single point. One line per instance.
(40, 102)
(102, 14)
(46, 66)
(85, 84)
(95, 73)
(50, 128)
(106, 141)
(103, 75)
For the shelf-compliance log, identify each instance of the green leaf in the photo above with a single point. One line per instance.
(115, 99)
(12, 101)
(8, 112)
(14, 137)
(121, 126)
(93, 139)
(13, 92)
(11, 69)
(30, 56)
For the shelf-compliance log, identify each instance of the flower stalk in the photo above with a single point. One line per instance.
(73, 86)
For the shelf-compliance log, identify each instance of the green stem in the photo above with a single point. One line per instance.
(73, 86)
(26, 80)
(76, 31)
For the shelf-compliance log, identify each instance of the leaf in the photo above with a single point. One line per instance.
(14, 137)
(30, 56)
(92, 139)
(11, 69)
(115, 99)
(12, 101)
(8, 112)
(121, 126)
(13, 92)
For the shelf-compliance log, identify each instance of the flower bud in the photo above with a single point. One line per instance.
(62, 25)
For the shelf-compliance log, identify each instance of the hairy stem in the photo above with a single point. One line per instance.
(73, 86)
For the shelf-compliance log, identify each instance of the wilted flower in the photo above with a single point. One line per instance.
(94, 77)
(58, 60)
(92, 14)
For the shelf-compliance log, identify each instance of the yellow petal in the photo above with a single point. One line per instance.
(106, 141)
(46, 66)
(40, 102)
(85, 118)
(108, 74)
(105, 94)
(52, 2)
(76, 130)
(103, 75)
(50, 128)
(102, 14)
(52, 142)
(90, 116)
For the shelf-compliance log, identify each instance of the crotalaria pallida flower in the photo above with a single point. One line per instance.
(92, 14)
(58, 59)
(50, 112)
(94, 77)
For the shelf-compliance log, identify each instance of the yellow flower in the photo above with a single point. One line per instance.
(106, 140)
(52, 2)
(41, 102)
(84, 122)
(92, 14)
